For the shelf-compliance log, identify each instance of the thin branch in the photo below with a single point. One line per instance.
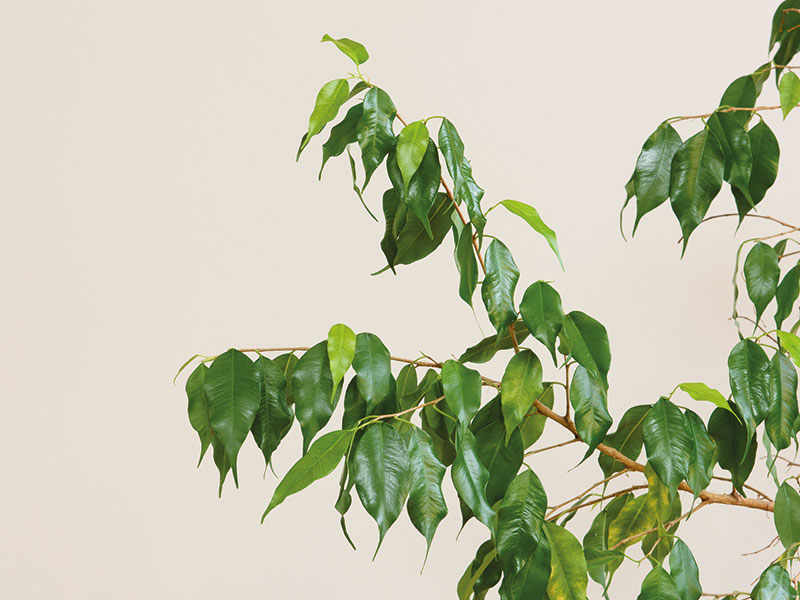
(767, 547)
(633, 488)
(582, 494)
(513, 336)
(755, 109)
(406, 411)
(545, 449)
(667, 526)
(751, 216)
(758, 325)
(746, 486)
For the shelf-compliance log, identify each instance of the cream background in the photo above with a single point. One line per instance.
(152, 208)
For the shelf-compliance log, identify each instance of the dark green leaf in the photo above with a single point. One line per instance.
(749, 370)
(407, 386)
(470, 193)
(274, 417)
(568, 575)
(783, 392)
(774, 584)
(787, 515)
(736, 453)
(627, 439)
(761, 272)
(287, 363)
(521, 385)
(355, 407)
(342, 134)
(587, 341)
(482, 574)
(198, 408)
(766, 154)
(374, 130)
(498, 286)
(394, 214)
(420, 193)
(452, 148)
(782, 21)
(411, 146)
(329, 99)
(541, 311)
(312, 385)
(355, 51)
(519, 521)
(413, 242)
(467, 265)
(531, 216)
(462, 390)
(488, 347)
(659, 585)
(685, 574)
(588, 398)
(222, 462)
(341, 350)
(668, 443)
(651, 176)
(786, 295)
(231, 385)
(470, 477)
(735, 144)
(501, 460)
(532, 577)
(703, 456)
(426, 505)
(740, 94)
(372, 364)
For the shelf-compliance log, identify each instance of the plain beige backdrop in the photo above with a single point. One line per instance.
(152, 209)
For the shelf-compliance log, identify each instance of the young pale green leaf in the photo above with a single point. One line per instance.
(703, 393)
(741, 93)
(659, 585)
(774, 584)
(342, 134)
(373, 367)
(312, 386)
(735, 144)
(703, 456)
(274, 417)
(521, 385)
(627, 439)
(467, 265)
(789, 89)
(568, 576)
(668, 443)
(695, 179)
(232, 389)
(499, 284)
(462, 390)
(382, 474)
(519, 521)
(587, 341)
(787, 515)
(426, 505)
(341, 350)
(783, 393)
(470, 477)
(329, 99)
(650, 181)
(588, 399)
(531, 216)
(736, 453)
(786, 295)
(488, 347)
(352, 49)
(532, 578)
(374, 130)
(766, 155)
(320, 460)
(749, 371)
(791, 343)
(420, 193)
(198, 408)
(684, 571)
(637, 516)
(411, 146)
(222, 462)
(541, 311)
(502, 460)
(761, 273)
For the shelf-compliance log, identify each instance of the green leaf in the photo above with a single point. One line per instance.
(482, 574)
(359, 87)
(373, 367)
(521, 385)
(341, 350)
(532, 426)
(395, 218)
(222, 462)
(287, 363)
(320, 460)
(740, 94)
(407, 386)
(684, 571)
(231, 385)
(519, 521)
(355, 407)
(637, 516)
(735, 144)
(374, 130)
(312, 385)
(587, 341)
(541, 311)
(467, 265)
(462, 390)
(651, 176)
(342, 134)
(411, 146)
(382, 474)
(782, 21)
(488, 347)
(533, 576)
(426, 505)
(789, 89)
(790, 343)
(274, 417)
(736, 453)
(355, 51)
(774, 584)
(531, 216)
(659, 585)
(766, 155)
(703, 456)
(786, 295)
(568, 575)
(452, 149)
(588, 399)
(749, 370)
(761, 272)
(695, 179)
(703, 393)
(787, 515)
(469, 192)
(783, 392)
(668, 443)
(329, 99)
(470, 477)
(601, 561)
(420, 193)
(498, 286)
(627, 439)
(198, 408)
(502, 460)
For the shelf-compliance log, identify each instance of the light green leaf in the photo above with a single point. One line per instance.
(329, 99)
(467, 265)
(274, 417)
(341, 350)
(786, 295)
(373, 367)
(568, 575)
(761, 272)
(703, 456)
(198, 408)
(789, 89)
(374, 130)
(411, 146)
(426, 505)
(588, 399)
(312, 386)
(659, 585)
(462, 390)
(667, 443)
(499, 284)
(684, 571)
(587, 341)
(355, 51)
(342, 134)
(787, 515)
(637, 516)
(703, 393)
(521, 385)
(736, 453)
(531, 216)
(650, 181)
(601, 561)
(783, 393)
(541, 310)
(791, 343)
(470, 477)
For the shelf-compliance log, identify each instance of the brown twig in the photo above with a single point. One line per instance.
(752, 216)
(754, 109)
(767, 547)
(746, 486)
(582, 494)
(545, 449)
(633, 488)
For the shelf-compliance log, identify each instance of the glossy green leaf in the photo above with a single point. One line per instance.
(452, 148)
(342, 134)
(532, 578)
(774, 584)
(588, 399)
(761, 272)
(695, 179)
(749, 371)
(568, 575)
(499, 284)
(462, 390)
(790, 343)
(222, 462)
(541, 311)
(312, 385)
(320, 460)
(407, 386)
(684, 571)
(637, 516)
(703, 393)
(735, 452)
(355, 51)
(355, 407)
(659, 585)
(740, 94)
(703, 455)
(198, 408)
(789, 89)
(329, 99)
(481, 574)
(287, 363)
(521, 385)
(532, 425)
(341, 350)
(394, 214)
(587, 341)
(420, 193)
(783, 393)
(232, 389)
(786, 295)
(411, 146)
(374, 130)
(488, 347)
(467, 265)
(373, 367)
(274, 417)
(766, 155)
(470, 193)
(627, 439)
(735, 144)
(668, 443)
(382, 474)
(787, 515)
(519, 521)
(531, 216)
(470, 477)
(651, 176)
(601, 561)
(502, 460)
(426, 505)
